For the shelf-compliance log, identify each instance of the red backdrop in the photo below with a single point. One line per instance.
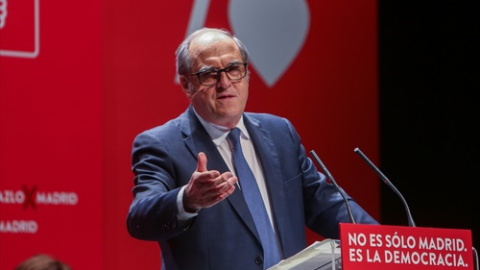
(103, 71)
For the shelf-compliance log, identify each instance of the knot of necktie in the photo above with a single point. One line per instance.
(234, 137)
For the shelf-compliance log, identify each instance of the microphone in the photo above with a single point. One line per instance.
(324, 168)
(411, 223)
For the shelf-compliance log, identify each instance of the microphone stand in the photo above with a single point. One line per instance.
(411, 223)
(324, 168)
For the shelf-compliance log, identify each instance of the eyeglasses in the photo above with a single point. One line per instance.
(234, 72)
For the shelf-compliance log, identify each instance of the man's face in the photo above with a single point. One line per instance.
(224, 102)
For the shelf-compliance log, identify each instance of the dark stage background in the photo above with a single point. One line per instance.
(430, 112)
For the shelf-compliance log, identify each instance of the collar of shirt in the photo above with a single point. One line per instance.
(219, 133)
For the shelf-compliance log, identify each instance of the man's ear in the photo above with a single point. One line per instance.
(184, 82)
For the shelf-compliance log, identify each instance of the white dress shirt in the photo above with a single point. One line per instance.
(219, 134)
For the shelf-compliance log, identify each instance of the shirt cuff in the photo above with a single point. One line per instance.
(182, 214)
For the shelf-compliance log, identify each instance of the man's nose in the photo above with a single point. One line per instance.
(223, 81)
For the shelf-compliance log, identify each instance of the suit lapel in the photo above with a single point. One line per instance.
(267, 153)
(197, 140)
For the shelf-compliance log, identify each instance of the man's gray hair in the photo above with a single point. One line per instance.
(183, 60)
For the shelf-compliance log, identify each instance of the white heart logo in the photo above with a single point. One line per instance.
(273, 31)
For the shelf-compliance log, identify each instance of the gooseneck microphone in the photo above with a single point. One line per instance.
(411, 223)
(329, 175)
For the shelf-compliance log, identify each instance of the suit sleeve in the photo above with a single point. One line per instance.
(153, 212)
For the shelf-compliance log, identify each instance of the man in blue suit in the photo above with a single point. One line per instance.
(187, 193)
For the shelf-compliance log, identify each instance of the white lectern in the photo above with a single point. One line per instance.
(321, 255)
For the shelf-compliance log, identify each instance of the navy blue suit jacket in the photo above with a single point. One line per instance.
(224, 236)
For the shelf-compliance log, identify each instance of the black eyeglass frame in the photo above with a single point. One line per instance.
(219, 72)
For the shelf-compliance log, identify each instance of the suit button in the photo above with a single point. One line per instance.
(258, 261)
(167, 226)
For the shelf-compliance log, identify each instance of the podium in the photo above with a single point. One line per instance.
(379, 247)
(321, 255)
